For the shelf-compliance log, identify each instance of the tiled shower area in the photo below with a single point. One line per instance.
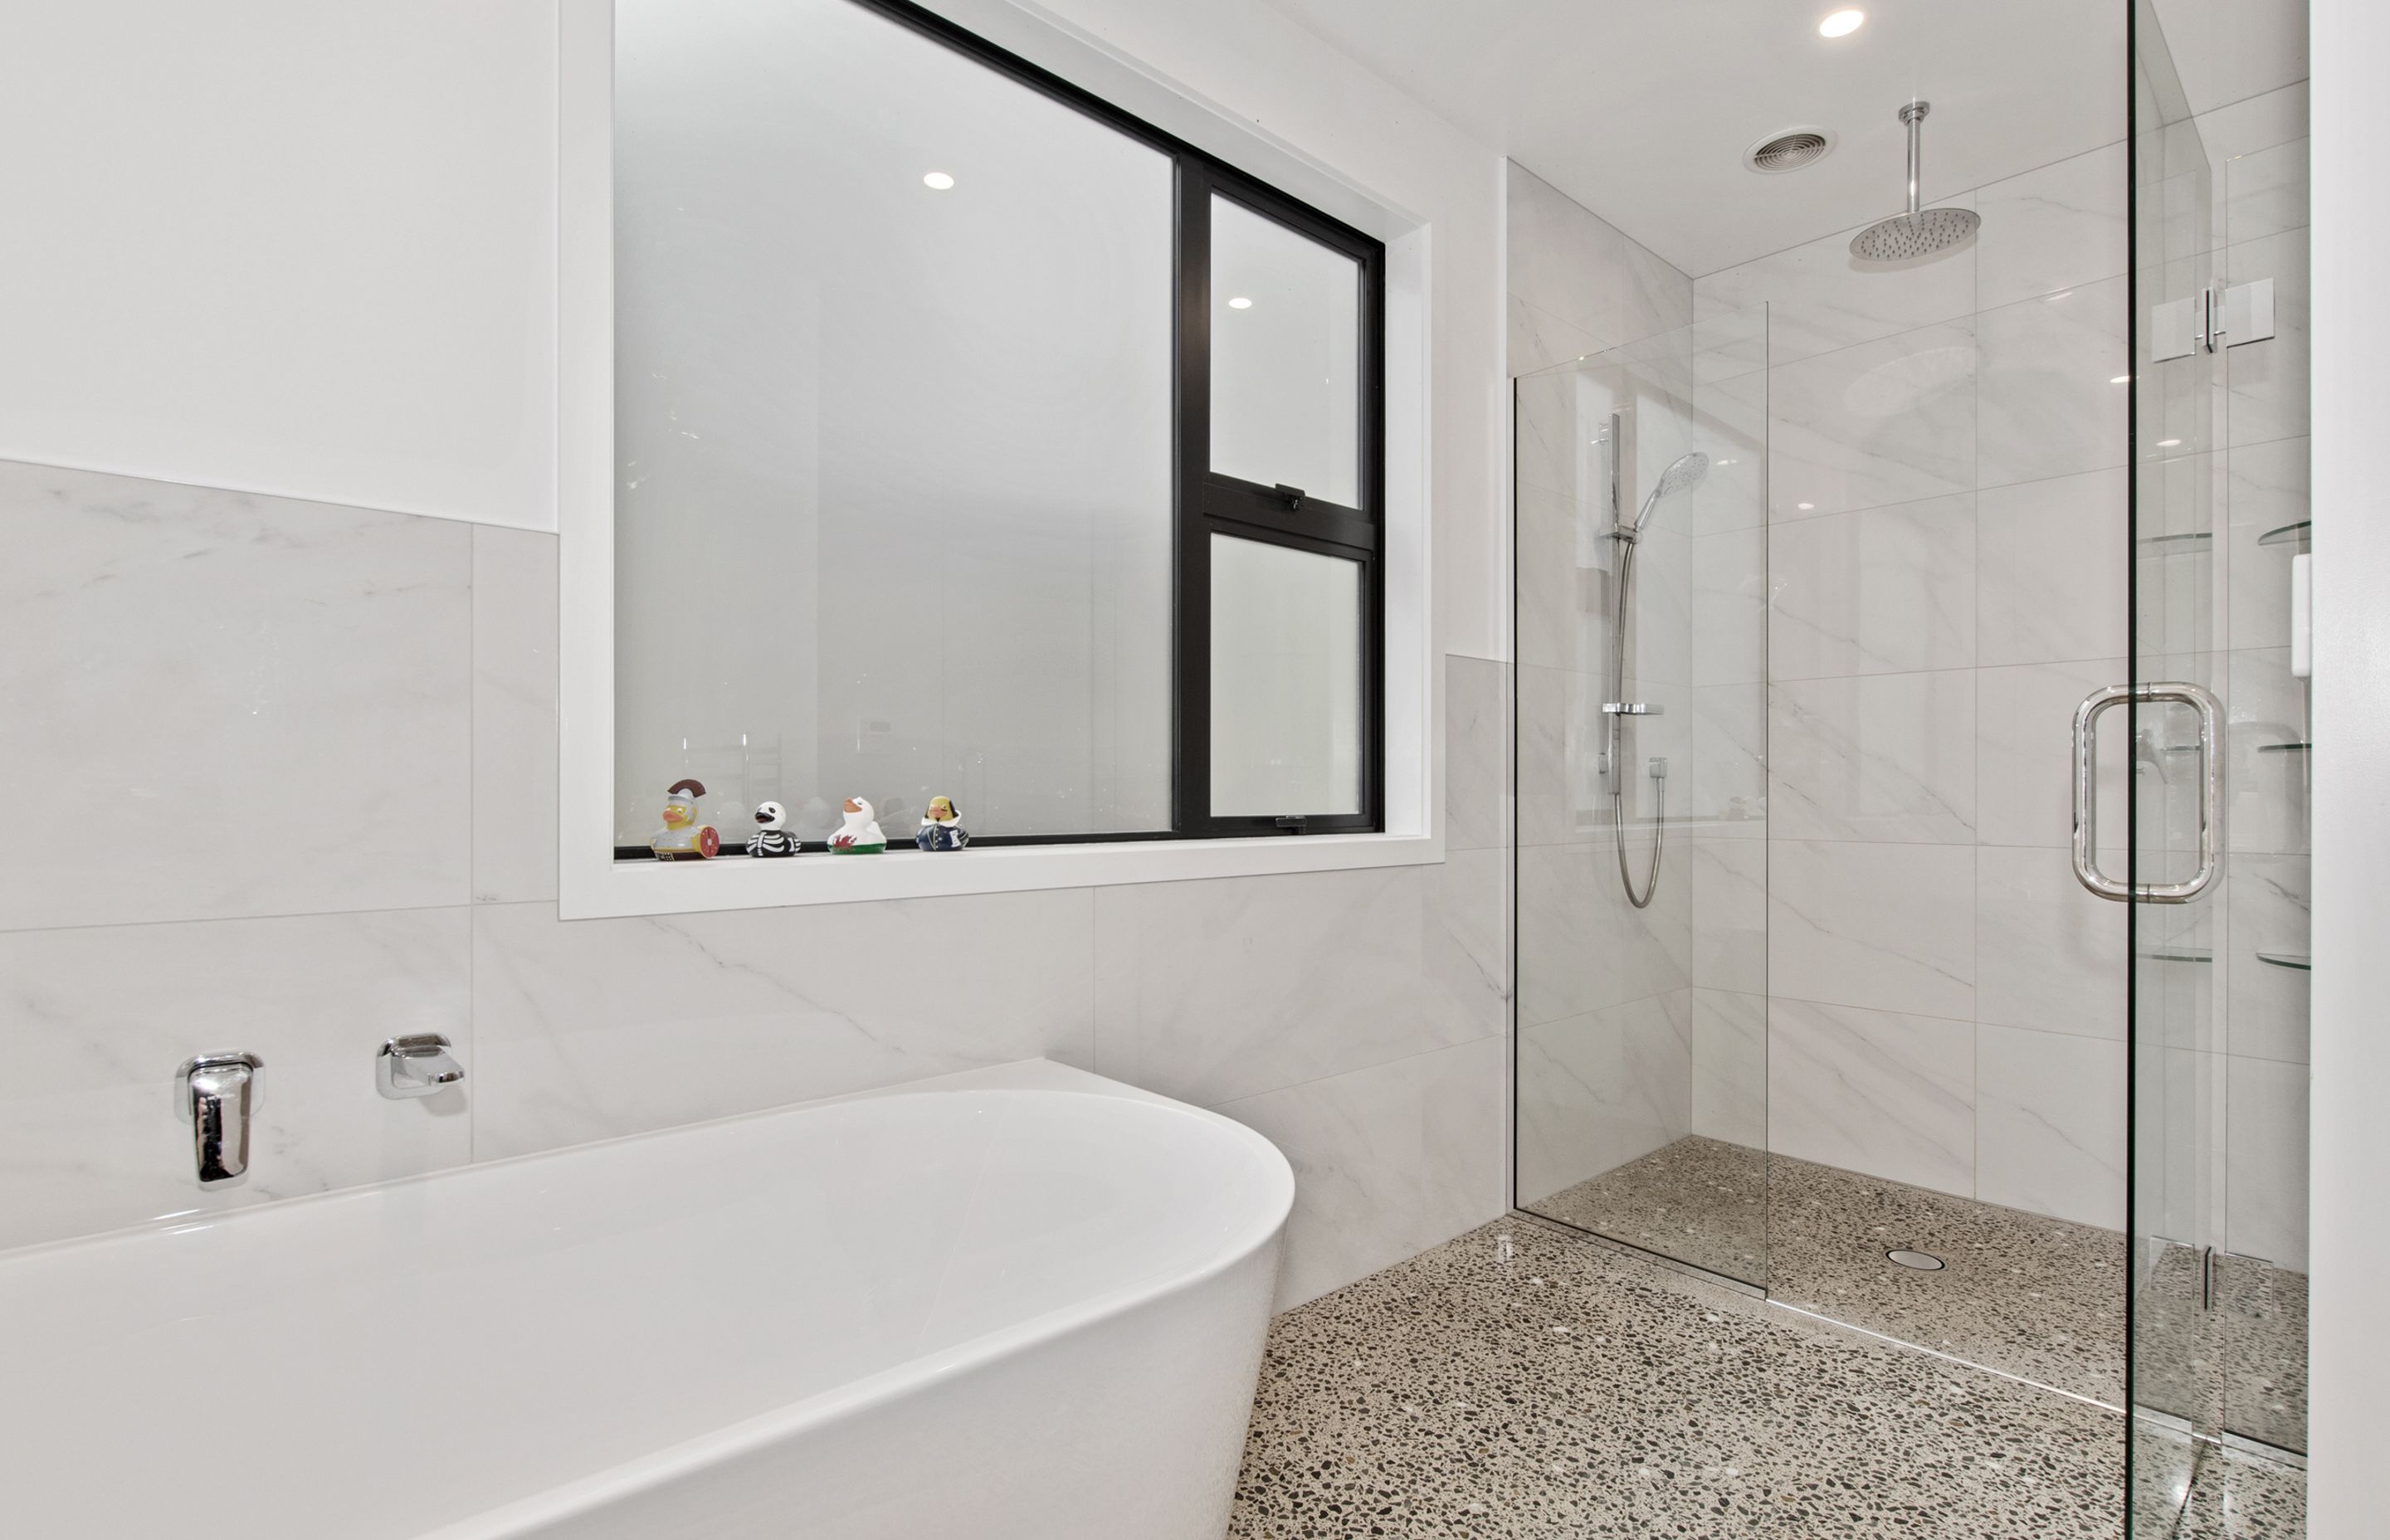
(1867, 1045)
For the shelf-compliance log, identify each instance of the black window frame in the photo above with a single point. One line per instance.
(1203, 501)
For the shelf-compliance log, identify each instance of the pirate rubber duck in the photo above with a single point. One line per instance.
(860, 834)
(942, 827)
(772, 836)
(683, 838)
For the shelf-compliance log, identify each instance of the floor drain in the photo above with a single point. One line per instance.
(1925, 1262)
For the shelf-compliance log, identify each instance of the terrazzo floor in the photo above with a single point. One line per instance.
(1517, 1383)
(2031, 1296)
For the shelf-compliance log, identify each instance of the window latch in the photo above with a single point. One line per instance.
(1297, 824)
(1293, 496)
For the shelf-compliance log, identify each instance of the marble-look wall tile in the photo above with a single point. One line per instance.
(1887, 421)
(2054, 227)
(99, 1019)
(1889, 590)
(2268, 380)
(1578, 285)
(1465, 946)
(2025, 752)
(1729, 606)
(1582, 947)
(2266, 1133)
(2266, 784)
(2050, 1123)
(1600, 1089)
(1887, 757)
(1820, 297)
(2052, 570)
(2266, 487)
(1237, 985)
(240, 705)
(603, 1027)
(1729, 1067)
(514, 715)
(1729, 909)
(2265, 192)
(2268, 908)
(1888, 1094)
(2049, 402)
(1884, 927)
(1388, 1161)
(2050, 955)
(1476, 753)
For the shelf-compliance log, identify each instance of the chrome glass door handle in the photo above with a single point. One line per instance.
(2087, 792)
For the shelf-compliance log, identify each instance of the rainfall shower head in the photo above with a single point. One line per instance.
(1684, 473)
(1919, 231)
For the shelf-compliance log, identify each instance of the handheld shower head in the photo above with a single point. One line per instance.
(1684, 473)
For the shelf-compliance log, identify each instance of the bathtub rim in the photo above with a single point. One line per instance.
(593, 1491)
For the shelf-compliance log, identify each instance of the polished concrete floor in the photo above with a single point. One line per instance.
(1521, 1383)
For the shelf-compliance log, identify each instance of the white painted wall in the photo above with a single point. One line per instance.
(284, 247)
(2349, 1413)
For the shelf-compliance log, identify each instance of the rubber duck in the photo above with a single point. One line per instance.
(859, 835)
(683, 838)
(772, 836)
(942, 827)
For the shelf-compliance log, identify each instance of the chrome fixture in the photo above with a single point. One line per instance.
(1684, 473)
(214, 1091)
(2087, 783)
(1919, 231)
(416, 1065)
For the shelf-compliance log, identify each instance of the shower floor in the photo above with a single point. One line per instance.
(2035, 1297)
(1518, 1384)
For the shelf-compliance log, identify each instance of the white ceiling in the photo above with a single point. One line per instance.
(1642, 110)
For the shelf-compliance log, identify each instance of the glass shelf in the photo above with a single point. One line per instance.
(2285, 748)
(2181, 954)
(2287, 534)
(2285, 959)
(2177, 544)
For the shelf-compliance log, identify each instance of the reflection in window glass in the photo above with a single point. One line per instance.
(1286, 323)
(893, 431)
(1286, 681)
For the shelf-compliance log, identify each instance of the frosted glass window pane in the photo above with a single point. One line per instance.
(893, 492)
(1286, 363)
(1286, 681)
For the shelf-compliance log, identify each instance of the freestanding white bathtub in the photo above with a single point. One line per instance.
(1017, 1302)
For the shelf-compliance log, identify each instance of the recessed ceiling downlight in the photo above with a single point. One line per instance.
(1240, 302)
(1790, 150)
(937, 181)
(1841, 23)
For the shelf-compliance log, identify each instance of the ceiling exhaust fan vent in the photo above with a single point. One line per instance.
(1790, 150)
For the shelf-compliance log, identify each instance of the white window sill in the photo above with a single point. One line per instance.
(607, 888)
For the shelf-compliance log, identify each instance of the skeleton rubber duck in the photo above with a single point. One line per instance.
(683, 838)
(772, 836)
(942, 827)
(860, 834)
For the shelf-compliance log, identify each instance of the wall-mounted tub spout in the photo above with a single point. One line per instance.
(416, 1065)
(214, 1091)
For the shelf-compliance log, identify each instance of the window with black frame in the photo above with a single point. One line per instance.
(976, 441)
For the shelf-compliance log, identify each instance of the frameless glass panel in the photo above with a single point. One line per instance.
(1286, 680)
(1642, 861)
(894, 421)
(1286, 359)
